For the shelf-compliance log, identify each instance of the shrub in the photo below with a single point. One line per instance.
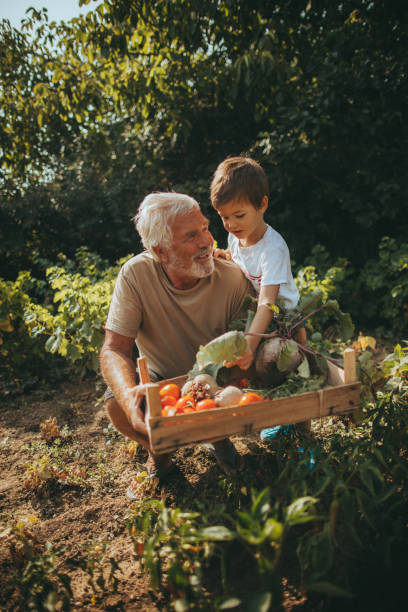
(81, 292)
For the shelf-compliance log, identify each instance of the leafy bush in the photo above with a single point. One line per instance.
(376, 295)
(81, 292)
(384, 286)
(181, 549)
(23, 357)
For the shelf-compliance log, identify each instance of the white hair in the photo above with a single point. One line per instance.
(156, 215)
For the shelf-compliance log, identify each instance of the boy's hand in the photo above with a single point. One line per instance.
(243, 362)
(222, 254)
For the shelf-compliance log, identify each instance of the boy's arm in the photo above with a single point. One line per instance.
(263, 316)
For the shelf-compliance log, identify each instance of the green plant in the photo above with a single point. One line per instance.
(18, 536)
(81, 293)
(181, 550)
(96, 560)
(22, 357)
(41, 586)
(279, 354)
(395, 368)
(384, 286)
(360, 476)
(103, 477)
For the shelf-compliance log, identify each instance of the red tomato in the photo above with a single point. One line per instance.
(249, 398)
(168, 400)
(170, 389)
(206, 404)
(184, 404)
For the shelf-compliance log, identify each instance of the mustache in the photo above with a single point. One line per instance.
(202, 252)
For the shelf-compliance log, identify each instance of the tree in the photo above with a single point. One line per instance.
(145, 95)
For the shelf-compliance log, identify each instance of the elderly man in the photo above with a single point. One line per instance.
(170, 299)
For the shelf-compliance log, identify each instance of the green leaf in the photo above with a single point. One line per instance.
(309, 302)
(288, 349)
(304, 369)
(231, 602)
(227, 347)
(216, 533)
(257, 602)
(299, 511)
(261, 504)
(273, 529)
(346, 324)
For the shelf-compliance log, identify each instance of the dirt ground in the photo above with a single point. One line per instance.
(72, 516)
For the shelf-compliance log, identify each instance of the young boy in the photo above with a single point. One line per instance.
(239, 192)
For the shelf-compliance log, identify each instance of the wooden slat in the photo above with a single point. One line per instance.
(170, 433)
(144, 375)
(177, 380)
(349, 365)
(153, 401)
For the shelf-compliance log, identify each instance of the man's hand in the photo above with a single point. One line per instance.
(132, 400)
(243, 362)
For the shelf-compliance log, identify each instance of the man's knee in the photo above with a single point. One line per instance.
(112, 408)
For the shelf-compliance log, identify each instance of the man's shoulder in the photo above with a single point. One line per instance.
(228, 272)
(142, 260)
(223, 266)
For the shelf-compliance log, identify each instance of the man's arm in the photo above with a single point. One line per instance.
(119, 373)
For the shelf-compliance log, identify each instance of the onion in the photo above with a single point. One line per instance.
(229, 396)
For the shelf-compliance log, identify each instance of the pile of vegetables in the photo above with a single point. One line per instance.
(202, 393)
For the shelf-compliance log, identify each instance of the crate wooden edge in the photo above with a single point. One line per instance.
(168, 434)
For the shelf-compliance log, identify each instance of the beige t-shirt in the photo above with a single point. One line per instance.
(170, 324)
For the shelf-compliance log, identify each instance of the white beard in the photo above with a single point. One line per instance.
(195, 270)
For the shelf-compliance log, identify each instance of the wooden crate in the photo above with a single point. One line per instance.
(166, 434)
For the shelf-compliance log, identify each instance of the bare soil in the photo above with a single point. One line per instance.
(73, 516)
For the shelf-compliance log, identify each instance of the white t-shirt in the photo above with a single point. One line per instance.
(267, 263)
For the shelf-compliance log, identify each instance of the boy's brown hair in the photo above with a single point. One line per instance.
(239, 178)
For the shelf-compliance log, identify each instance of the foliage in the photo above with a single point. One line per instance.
(135, 97)
(23, 359)
(17, 534)
(395, 368)
(179, 545)
(15, 341)
(41, 586)
(384, 286)
(210, 358)
(375, 294)
(81, 294)
(279, 354)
